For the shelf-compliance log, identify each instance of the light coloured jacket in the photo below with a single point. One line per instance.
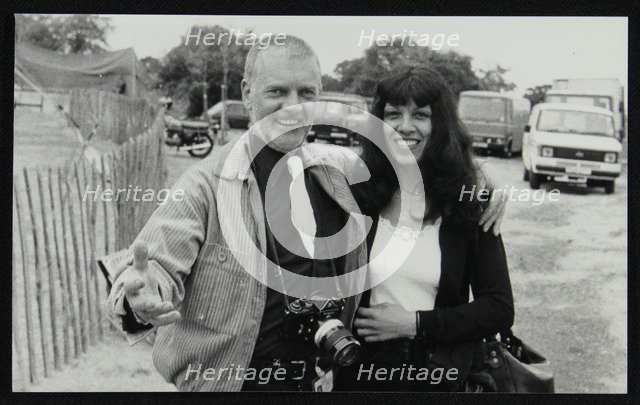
(221, 304)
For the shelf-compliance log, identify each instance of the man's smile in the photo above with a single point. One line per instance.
(291, 122)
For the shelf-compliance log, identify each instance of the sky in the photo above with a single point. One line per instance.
(535, 49)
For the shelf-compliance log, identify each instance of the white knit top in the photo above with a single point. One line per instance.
(414, 284)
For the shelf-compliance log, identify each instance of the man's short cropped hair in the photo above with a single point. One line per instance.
(293, 46)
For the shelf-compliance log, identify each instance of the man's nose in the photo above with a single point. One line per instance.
(293, 103)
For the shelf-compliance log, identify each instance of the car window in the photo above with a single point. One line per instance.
(578, 122)
(236, 109)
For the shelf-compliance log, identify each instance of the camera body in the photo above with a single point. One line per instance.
(318, 321)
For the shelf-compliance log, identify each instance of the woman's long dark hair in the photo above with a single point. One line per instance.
(446, 164)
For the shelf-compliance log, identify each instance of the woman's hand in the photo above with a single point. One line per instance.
(385, 322)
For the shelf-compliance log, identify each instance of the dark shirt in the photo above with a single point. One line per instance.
(329, 219)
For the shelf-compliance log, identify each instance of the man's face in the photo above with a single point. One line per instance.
(279, 86)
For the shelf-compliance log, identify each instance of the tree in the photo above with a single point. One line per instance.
(493, 80)
(330, 83)
(78, 33)
(362, 75)
(185, 68)
(153, 67)
(536, 94)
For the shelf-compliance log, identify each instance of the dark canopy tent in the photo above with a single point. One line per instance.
(118, 71)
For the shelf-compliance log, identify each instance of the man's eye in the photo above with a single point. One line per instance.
(309, 93)
(275, 92)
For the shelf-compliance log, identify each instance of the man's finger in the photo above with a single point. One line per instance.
(131, 287)
(362, 323)
(365, 312)
(157, 310)
(141, 305)
(373, 338)
(496, 226)
(166, 319)
(140, 256)
(488, 212)
(366, 332)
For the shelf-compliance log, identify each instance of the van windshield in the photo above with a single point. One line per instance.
(492, 109)
(596, 101)
(575, 122)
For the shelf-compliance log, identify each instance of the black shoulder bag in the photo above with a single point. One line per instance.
(512, 366)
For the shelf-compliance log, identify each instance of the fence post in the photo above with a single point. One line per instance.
(36, 356)
(63, 264)
(42, 269)
(19, 301)
(55, 286)
(72, 282)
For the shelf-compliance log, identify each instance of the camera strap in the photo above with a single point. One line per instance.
(272, 244)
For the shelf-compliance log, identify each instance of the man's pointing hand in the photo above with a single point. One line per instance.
(141, 290)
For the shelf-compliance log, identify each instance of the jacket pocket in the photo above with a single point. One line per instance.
(216, 291)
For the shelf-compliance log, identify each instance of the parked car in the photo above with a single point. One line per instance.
(340, 112)
(571, 143)
(236, 115)
(494, 120)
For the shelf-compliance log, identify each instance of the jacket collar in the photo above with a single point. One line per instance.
(233, 161)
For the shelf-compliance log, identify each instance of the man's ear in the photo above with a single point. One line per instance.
(245, 89)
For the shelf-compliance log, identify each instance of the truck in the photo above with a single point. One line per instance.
(598, 92)
(494, 120)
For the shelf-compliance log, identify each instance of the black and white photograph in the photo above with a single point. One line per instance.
(300, 203)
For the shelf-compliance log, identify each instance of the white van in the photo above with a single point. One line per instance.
(571, 143)
(599, 92)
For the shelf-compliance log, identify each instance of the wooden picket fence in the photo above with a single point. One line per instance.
(59, 231)
(109, 115)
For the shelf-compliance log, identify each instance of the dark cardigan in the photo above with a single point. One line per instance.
(455, 327)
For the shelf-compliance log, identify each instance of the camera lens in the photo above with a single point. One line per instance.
(333, 338)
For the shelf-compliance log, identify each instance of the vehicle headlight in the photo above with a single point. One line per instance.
(610, 157)
(546, 151)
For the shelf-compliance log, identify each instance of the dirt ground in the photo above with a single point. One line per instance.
(568, 266)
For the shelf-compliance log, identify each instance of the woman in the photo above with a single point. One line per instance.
(420, 317)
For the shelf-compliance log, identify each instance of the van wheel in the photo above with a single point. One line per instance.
(507, 152)
(526, 174)
(535, 180)
(609, 187)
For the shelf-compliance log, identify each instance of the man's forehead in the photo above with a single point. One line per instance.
(278, 65)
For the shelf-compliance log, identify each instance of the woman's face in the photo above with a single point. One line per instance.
(413, 124)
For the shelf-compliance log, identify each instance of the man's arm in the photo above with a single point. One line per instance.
(152, 286)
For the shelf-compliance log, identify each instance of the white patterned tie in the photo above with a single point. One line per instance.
(301, 209)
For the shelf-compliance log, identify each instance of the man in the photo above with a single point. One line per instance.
(220, 328)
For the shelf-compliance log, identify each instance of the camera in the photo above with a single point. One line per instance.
(318, 321)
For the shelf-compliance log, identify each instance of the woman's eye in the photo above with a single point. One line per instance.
(423, 116)
(391, 114)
